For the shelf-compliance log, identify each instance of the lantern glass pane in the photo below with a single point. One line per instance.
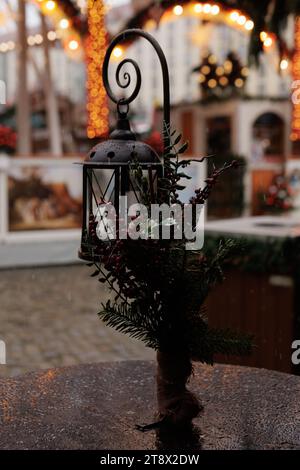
(102, 182)
(105, 209)
(101, 203)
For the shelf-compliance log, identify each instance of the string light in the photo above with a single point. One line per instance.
(207, 8)
(239, 82)
(212, 59)
(30, 41)
(51, 35)
(223, 81)
(71, 40)
(284, 63)
(35, 40)
(228, 66)
(50, 5)
(64, 23)
(230, 73)
(263, 36)
(212, 83)
(268, 42)
(198, 8)
(3, 47)
(267, 39)
(38, 39)
(249, 25)
(295, 131)
(73, 45)
(65, 31)
(241, 20)
(11, 45)
(96, 44)
(215, 9)
(117, 52)
(234, 15)
(205, 69)
(178, 10)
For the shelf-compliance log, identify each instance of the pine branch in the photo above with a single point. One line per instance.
(205, 343)
(214, 271)
(129, 320)
(173, 167)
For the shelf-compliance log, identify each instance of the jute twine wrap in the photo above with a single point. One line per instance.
(176, 404)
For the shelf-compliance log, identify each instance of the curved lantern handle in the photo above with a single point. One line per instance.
(127, 34)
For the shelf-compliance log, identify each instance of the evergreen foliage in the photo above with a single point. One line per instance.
(160, 287)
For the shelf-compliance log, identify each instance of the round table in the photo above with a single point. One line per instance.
(97, 407)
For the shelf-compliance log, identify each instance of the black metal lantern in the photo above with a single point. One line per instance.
(107, 175)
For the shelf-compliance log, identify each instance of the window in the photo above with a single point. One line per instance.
(268, 137)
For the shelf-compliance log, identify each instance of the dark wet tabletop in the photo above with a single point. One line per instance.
(97, 407)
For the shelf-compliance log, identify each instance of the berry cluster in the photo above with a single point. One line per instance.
(201, 195)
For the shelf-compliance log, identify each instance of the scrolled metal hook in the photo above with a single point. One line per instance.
(127, 80)
(127, 77)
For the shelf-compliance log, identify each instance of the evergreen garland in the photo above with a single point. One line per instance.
(267, 15)
(260, 254)
(226, 80)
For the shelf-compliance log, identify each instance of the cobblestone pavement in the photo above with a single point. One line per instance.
(48, 317)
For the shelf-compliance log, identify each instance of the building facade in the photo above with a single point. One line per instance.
(185, 41)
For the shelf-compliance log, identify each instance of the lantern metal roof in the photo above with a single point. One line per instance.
(121, 149)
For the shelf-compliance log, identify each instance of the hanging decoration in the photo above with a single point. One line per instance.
(265, 21)
(70, 10)
(165, 11)
(210, 12)
(66, 27)
(96, 44)
(75, 11)
(264, 25)
(225, 79)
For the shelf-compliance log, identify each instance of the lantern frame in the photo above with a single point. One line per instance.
(116, 153)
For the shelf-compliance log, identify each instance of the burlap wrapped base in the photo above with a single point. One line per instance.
(177, 406)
